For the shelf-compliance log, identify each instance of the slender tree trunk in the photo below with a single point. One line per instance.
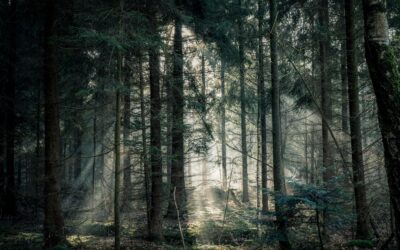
(168, 86)
(384, 72)
(127, 168)
(204, 169)
(3, 131)
(360, 193)
(155, 131)
(276, 134)
(306, 167)
(117, 167)
(262, 107)
(177, 200)
(10, 200)
(117, 137)
(312, 156)
(344, 90)
(53, 228)
(245, 179)
(94, 150)
(223, 126)
(78, 134)
(37, 168)
(146, 169)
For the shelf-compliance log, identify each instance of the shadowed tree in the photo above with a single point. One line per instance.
(355, 127)
(53, 228)
(245, 178)
(384, 71)
(10, 192)
(279, 185)
(177, 187)
(155, 227)
(262, 105)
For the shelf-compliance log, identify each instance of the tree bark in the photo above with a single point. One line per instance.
(223, 127)
(145, 163)
(204, 169)
(385, 75)
(326, 106)
(344, 90)
(117, 167)
(155, 232)
(10, 193)
(245, 178)
(53, 228)
(117, 136)
(360, 193)
(279, 189)
(262, 107)
(127, 168)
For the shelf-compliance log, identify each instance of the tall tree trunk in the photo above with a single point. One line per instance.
(384, 72)
(10, 200)
(94, 150)
(204, 169)
(344, 90)
(37, 168)
(178, 162)
(155, 130)
(144, 143)
(223, 127)
(117, 136)
(168, 86)
(355, 127)
(276, 134)
(262, 107)
(327, 155)
(53, 228)
(127, 168)
(117, 167)
(3, 51)
(245, 178)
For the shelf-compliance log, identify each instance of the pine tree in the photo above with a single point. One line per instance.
(355, 127)
(53, 228)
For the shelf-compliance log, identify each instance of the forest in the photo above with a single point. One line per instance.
(200, 124)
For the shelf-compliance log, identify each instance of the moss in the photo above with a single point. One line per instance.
(392, 66)
(21, 240)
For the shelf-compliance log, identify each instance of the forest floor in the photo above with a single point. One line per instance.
(212, 223)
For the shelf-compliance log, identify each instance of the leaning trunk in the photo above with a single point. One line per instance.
(385, 75)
